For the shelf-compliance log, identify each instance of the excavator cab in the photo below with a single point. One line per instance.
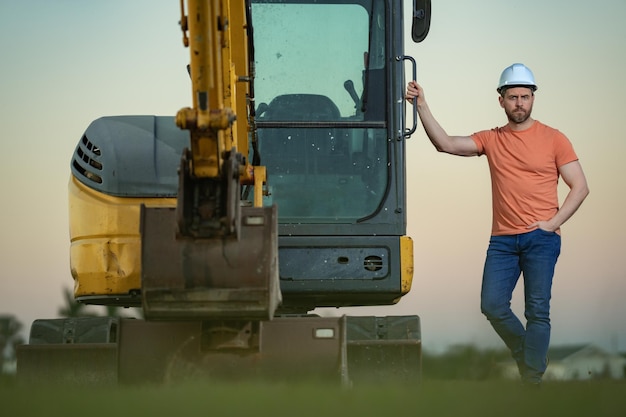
(329, 130)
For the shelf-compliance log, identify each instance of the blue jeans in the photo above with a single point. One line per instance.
(533, 254)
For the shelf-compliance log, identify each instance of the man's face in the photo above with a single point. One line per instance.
(517, 103)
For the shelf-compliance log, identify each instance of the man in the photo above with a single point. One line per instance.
(525, 159)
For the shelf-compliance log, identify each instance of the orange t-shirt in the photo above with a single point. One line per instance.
(524, 174)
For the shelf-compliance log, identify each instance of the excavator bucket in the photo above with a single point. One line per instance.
(222, 278)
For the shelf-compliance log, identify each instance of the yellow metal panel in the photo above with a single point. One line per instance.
(106, 266)
(105, 251)
(406, 263)
(260, 177)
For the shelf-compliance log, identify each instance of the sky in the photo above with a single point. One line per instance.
(65, 63)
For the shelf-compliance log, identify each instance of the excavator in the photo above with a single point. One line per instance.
(281, 190)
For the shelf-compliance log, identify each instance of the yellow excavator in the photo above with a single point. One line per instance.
(281, 190)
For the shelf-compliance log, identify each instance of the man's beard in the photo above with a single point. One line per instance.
(518, 115)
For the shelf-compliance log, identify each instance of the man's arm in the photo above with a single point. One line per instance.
(573, 175)
(456, 145)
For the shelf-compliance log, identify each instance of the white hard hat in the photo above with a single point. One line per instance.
(517, 75)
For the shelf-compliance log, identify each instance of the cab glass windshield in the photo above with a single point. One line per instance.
(321, 108)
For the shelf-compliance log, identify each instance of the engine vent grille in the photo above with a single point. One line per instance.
(373, 263)
(85, 160)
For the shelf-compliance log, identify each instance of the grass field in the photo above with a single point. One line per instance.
(430, 398)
